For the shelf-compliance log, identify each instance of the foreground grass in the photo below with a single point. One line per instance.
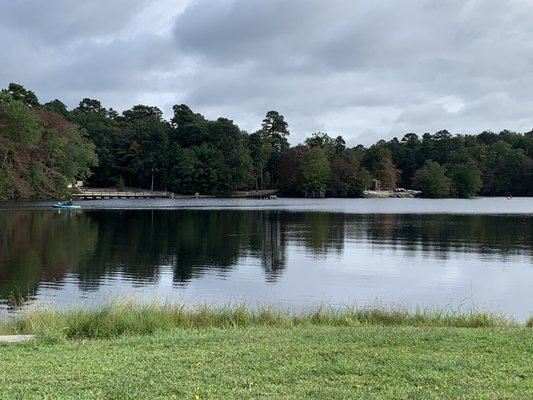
(214, 354)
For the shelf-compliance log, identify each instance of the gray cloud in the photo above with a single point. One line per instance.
(58, 21)
(366, 70)
(358, 67)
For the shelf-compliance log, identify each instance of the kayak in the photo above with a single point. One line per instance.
(66, 206)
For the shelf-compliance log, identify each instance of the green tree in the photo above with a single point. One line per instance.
(506, 167)
(58, 107)
(184, 172)
(149, 135)
(190, 129)
(303, 168)
(276, 130)
(63, 156)
(466, 179)
(432, 181)
(228, 139)
(315, 169)
(19, 135)
(374, 154)
(260, 150)
(42, 151)
(406, 156)
(103, 131)
(527, 181)
(19, 93)
(334, 147)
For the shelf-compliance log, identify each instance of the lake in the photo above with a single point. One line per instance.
(456, 255)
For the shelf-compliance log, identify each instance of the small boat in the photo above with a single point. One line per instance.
(66, 206)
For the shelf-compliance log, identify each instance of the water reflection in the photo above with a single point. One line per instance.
(42, 249)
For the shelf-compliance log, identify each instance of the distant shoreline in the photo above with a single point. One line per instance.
(367, 195)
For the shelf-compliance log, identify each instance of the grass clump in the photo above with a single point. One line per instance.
(121, 319)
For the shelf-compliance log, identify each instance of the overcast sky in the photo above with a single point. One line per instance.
(364, 69)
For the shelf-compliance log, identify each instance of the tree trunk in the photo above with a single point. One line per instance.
(5, 158)
(152, 185)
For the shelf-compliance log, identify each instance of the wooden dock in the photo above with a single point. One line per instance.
(93, 194)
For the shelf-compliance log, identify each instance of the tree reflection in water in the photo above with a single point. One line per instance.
(42, 246)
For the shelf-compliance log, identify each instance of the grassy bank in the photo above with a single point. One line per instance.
(164, 352)
(128, 319)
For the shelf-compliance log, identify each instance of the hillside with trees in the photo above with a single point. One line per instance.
(41, 151)
(45, 147)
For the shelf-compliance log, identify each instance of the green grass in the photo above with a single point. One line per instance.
(128, 319)
(151, 352)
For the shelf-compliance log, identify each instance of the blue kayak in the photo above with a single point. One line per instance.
(66, 206)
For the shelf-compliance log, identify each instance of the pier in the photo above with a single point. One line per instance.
(131, 193)
(92, 194)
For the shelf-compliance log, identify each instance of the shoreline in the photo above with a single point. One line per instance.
(368, 195)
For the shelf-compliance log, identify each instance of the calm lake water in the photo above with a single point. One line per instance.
(288, 253)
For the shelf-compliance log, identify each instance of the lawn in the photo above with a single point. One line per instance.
(320, 360)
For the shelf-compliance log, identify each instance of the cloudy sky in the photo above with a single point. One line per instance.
(363, 69)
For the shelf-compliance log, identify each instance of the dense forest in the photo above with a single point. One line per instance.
(45, 147)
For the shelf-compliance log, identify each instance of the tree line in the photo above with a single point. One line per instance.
(44, 147)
